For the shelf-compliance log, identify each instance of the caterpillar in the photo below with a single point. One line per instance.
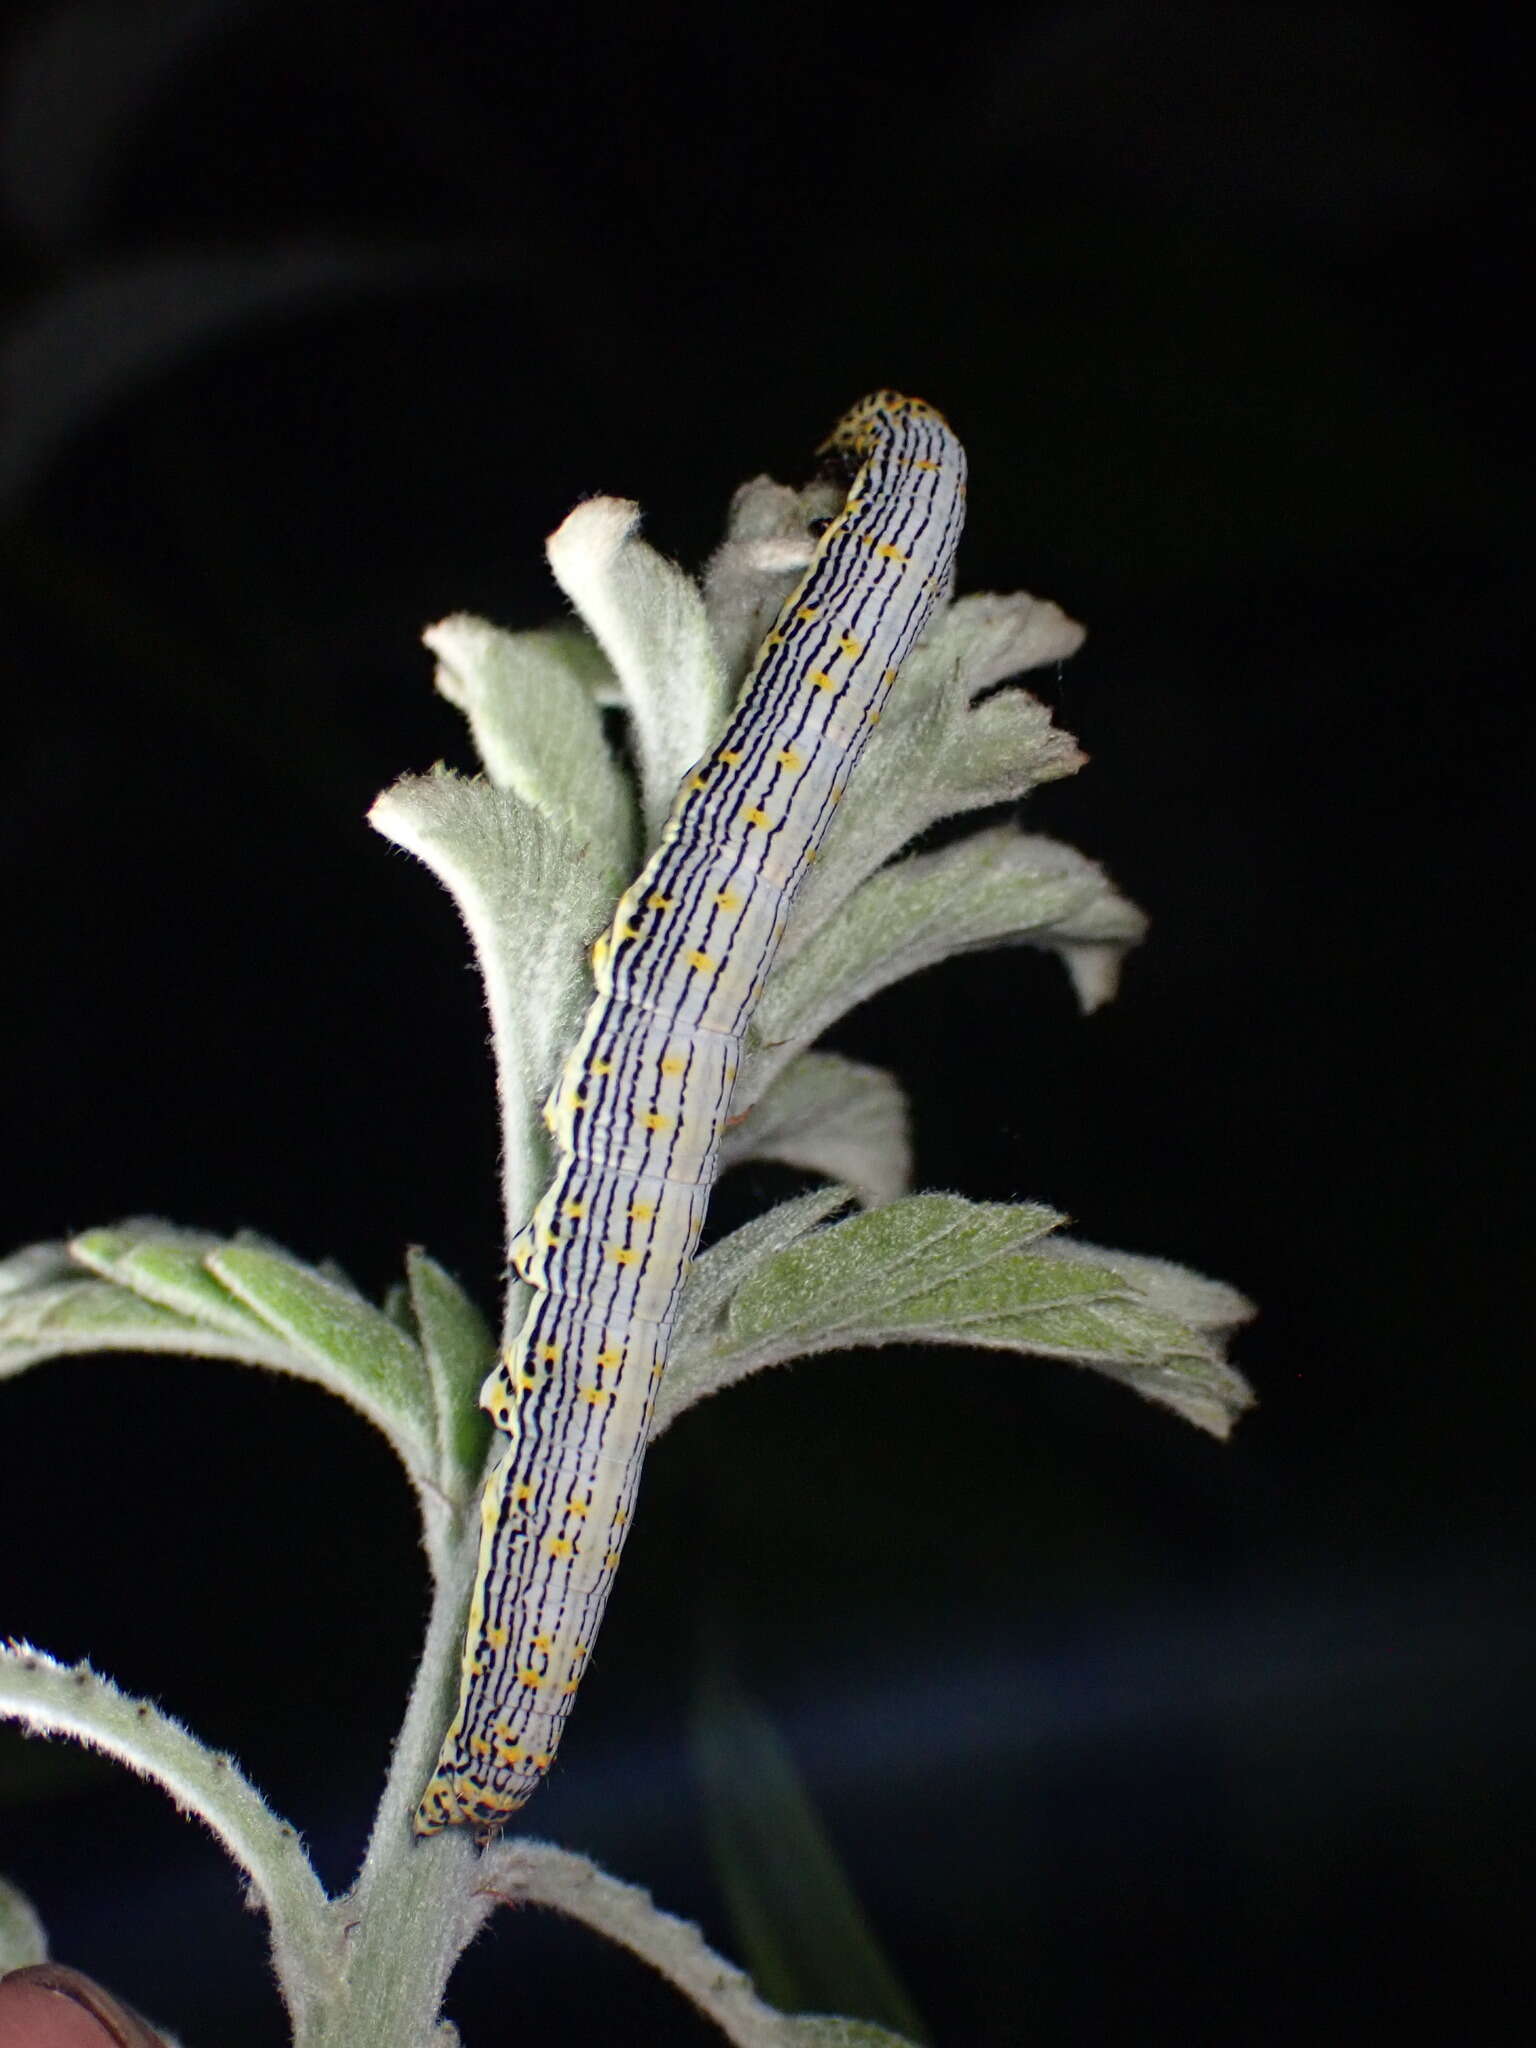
(637, 1114)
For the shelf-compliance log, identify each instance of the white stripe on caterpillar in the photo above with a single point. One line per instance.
(638, 1111)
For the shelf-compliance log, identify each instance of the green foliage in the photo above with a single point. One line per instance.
(534, 854)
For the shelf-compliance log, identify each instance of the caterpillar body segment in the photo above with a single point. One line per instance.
(645, 1093)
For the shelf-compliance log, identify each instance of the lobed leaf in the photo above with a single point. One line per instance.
(533, 898)
(148, 1285)
(935, 1269)
(649, 619)
(996, 887)
(352, 1347)
(713, 1278)
(829, 1115)
(532, 707)
(936, 754)
(861, 1274)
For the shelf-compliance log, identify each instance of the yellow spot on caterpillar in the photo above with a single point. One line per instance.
(508, 1753)
(821, 679)
(658, 903)
(837, 791)
(575, 1507)
(602, 1066)
(672, 1065)
(478, 1746)
(808, 611)
(641, 1212)
(539, 1643)
(527, 1379)
(576, 1099)
(599, 951)
(570, 1686)
(923, 463)
(575, 1210)
(496, 1636)
(629, 930)
(729, 755)
(701, 962)
(596, 1397)
(543, 1760)
(697, 782)
(550, 1352)
(621, 1255)
(788, 758)
(887, 553)
(851, 647)
(558, 1546)
(774, 639)
(757, 817)
(534, 1680)
(655, 1122)
(727, 899)
(522, 1493)
(889, 677)
(873, 716)
(610, 1560)
(612, 1356)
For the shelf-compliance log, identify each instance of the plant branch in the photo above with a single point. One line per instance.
(55, 1699)
(538, 1873)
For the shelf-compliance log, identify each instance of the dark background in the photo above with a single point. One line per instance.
(316, 320)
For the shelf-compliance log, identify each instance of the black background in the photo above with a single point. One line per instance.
(1123, 1735)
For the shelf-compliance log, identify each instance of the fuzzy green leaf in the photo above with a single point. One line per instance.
(860, 1274)
(997, 887)
(767, 549)
(66, 1317)
(826, 1114)
(531, 706)
(459, 1350)
(935, 754)
(352, 1347)
(534, 898)
(712, 1279)
(168, 1266)
(938, 1270)
(23, 1940)
(55, 1699)
(649, 619)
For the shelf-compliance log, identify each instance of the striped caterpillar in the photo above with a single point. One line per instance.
(638, 1111)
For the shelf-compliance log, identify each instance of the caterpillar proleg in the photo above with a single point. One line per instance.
(638, 1111)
